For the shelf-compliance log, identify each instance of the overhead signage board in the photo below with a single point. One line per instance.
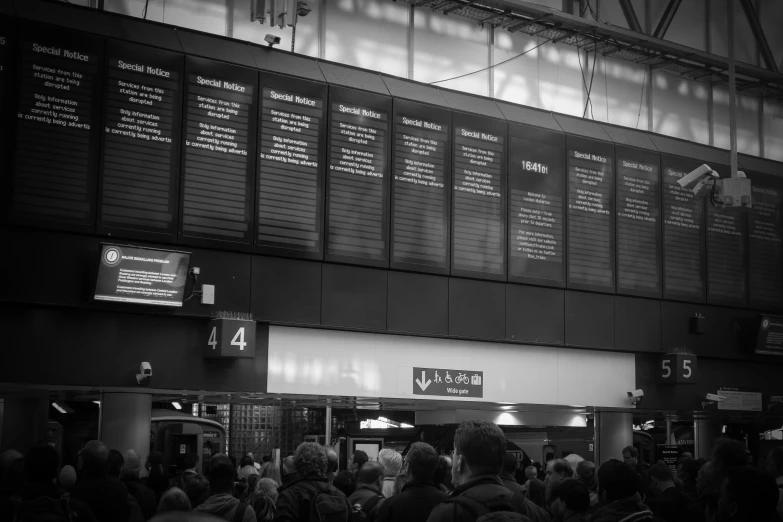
(739, 400)
(448, 383)
(358, 179)
(683, 234)
(139, 182)
(536, 229)
(128, 274)
(770, 336)
(291, 180)
(57, 132)
(638, 222)
(765, 243)
(479, 227)
(726, 250)
(230, 338)
(420, 188)
(218, 153)
(590, 225)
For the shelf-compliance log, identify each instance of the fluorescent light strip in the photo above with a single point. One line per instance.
(176, 405)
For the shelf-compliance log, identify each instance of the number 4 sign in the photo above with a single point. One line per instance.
(678, 368)
(230, 338)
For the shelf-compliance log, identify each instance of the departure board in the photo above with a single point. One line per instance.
(536, 184)
(590, 214)
(479, 229)
(358, 193)
(218, 152)
(57, 132)
(683, 234)
(290, 167)
(420, 188)
(638, 222)
(726, 251)
(139, 182)
(764, 243)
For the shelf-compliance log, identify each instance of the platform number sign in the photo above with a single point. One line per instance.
(230, 338)
(678, 368)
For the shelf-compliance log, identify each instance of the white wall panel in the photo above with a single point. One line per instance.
(322, 362)
(559, 79)
(747, 121)
(449, 46)
(680, 108)
(773, 130)
(517, 80)
(136, 8)
(210, 16)
(617, 92)
(306, 29)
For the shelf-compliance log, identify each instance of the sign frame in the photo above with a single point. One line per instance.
(678, 368)
(230, 339)
(422, 384)
(770, 182)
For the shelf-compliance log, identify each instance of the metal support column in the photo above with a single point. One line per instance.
(732, 89)
(328, 422)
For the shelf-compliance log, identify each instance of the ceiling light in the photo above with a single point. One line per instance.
(97, 402)
(62, 408)
(403, 425)
(506, 407)
(176, 405)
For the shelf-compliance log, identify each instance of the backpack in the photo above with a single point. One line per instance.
(328, 505)
(368, 511)
(45, 509)
(483, 513)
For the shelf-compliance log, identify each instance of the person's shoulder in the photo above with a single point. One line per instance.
(250, 514)
(443, 512)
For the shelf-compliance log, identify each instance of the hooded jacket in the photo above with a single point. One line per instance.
(414, 503)
(224, 505)
(300, 493)
(628, 509)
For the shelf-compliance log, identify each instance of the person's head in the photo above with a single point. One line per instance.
(11, 470)
(421, 462)
(728, 453)
(558, 470)
(174, 500)
(249, 455)
(95, 459)
(67, 477)
(536, 493)
(371, 475)
(510, 463)
(310, 459)
(616, 480)
(568, 497)
(775, 462)
(573, 460)
(704, 479)
(252, 480)
(586, 473)
(245, 461)
(268, 488)
(132, 464)
(116, 462)
(271, 471)
(266, 458)
(331, 458)
(358, 459)
(443, 467)
(391, 462)
(479, 448)
(221, 474)
(531, 473)
(688, 470)
(191, 461)
(631, 456)
(747, 495)
(155, 463)
(197, 489)
(288, 466)
(41, 463)
(399, 483)
(345, 481)
(660, 478)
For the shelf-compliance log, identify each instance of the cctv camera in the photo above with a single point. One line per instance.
(697, 179)
(302, 9)
(272, 39)
(715, 398)
(144, 377)
(636, 394)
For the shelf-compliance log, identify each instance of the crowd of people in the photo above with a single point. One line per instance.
(478, 482)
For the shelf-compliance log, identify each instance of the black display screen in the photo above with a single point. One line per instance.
(590, 214)
(764, 243)
(683, 234)
(638, 222)
(358, 194)
(139, 185)
(218, 152)
(536, 184)
(479, 229)
(290, 167)
(420, 195)
(57, 133)
(726, 250)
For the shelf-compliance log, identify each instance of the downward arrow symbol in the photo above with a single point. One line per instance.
(424, 382)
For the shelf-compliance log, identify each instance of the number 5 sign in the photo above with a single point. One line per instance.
(678, 368)
(230, 338)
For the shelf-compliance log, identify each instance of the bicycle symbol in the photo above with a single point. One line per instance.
(461, 379)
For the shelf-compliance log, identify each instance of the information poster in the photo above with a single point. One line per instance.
(57, 132)
(291, 167)
(764, 243)
(478, 244)
(141, 128)
(358, 195)
(590, 214)
(770, 335)
(536, 184)
(420, 188)
(726, 251)
(737, 399)
(218, 153)
(683, 234)
(638, 222)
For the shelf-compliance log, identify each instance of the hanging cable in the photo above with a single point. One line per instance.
(641, 99)
(144, 13)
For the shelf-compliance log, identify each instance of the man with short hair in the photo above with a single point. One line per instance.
(106, 496)
(419, 495)
(300, 494)
(356, 461)
(368, 496)
(392, 464)
(130, 477)
(775, 470)
(221, 502)
(687, 471)
(288, 470)
(569, 501)
(618, 489)
(332, 463)
(558, 470)
(747, 495)
(669, 503)
(479, 449)
(507, 475)
(631, 457)
(253, 460)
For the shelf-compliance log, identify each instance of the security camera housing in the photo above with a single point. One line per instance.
(272, 39)
(636, 394)
(715, 398)
(692, 179)
(146, 369)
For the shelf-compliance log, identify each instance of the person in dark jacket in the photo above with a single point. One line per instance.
(345, 481)
(419, 495)
(106, 496)
(479, 449)
(569, 501)
(667, 502)
(221, 502)
(618, 488)
(130, 477)
(508, 475)
(288, 470)
(157, 480)
(747, 495)
(310, 462)
(369, 490)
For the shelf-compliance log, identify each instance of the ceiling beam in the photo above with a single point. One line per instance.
(666, 18)
(758, 33)
(630, 16)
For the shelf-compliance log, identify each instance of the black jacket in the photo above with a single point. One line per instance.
(413, 504)
(511, 483)
(628, 509)
(33, 491)
(107, 497)
(490, 491)
(672, 505)
(300, 494)
(143, 495)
